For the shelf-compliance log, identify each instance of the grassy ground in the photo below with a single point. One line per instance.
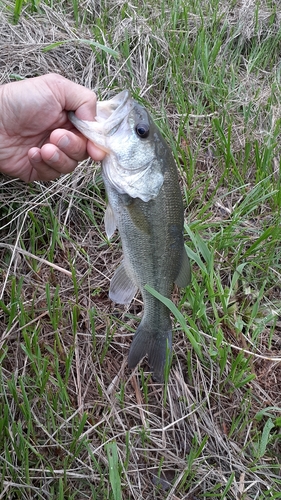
(75, 423)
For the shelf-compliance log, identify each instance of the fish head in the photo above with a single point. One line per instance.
(135, 148)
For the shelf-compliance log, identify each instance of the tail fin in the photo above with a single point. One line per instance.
(156, 344)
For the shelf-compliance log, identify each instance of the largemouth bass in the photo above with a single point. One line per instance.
(145, 204)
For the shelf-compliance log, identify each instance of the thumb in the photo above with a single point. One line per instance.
(72, 96)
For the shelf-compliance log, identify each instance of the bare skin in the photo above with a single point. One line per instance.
(37, 141)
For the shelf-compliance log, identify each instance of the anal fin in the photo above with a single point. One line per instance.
(122, 289)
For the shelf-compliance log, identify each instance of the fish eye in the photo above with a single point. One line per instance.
(142, 130)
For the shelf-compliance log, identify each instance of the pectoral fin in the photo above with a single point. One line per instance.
(122, 289)
(184, 277)
(109, 221)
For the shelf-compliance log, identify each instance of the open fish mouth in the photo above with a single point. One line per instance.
(111, 113)
(105, 109)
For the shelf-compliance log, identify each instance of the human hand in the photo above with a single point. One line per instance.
(37, 141)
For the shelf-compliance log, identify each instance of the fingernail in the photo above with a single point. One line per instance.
(63, 142)
(55, 157)
(36, 157)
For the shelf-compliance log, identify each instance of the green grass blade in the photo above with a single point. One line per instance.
(114, 476)
(82, 41)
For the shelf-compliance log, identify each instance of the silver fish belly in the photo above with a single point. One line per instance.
(145, 204)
